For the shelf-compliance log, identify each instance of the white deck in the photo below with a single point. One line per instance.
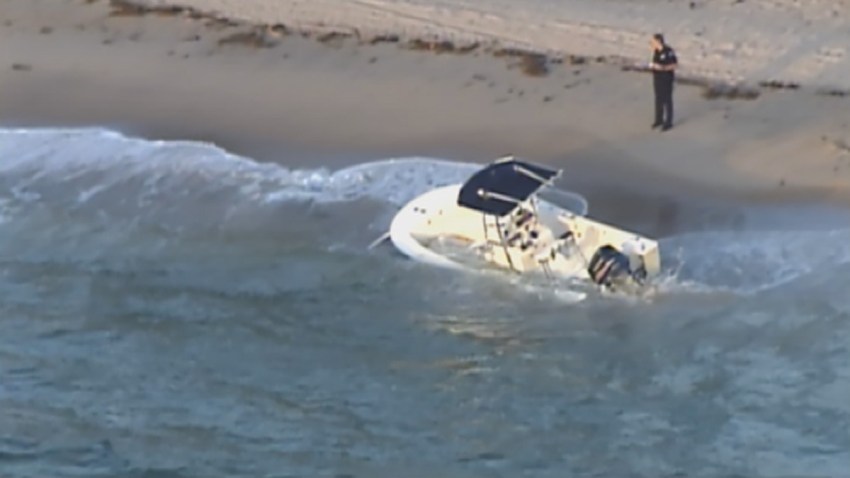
(533, 239)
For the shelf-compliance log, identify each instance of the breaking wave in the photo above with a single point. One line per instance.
(94, 162)
(77, 194)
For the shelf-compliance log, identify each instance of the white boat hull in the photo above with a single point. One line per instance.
(435, 215)
(521, 234)
(410, 222)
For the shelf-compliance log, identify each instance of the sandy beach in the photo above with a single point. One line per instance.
(336, 82)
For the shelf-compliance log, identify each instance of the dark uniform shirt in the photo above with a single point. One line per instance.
(665, 56)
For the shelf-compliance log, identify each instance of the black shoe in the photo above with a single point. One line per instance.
(656, 124)
(667, 127)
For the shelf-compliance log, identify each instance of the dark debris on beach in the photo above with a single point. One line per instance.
(129, 8)
(729, 92)
(441, 46)
(531, 63)
(255, 38)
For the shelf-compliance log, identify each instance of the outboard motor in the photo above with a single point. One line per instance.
(612, 269)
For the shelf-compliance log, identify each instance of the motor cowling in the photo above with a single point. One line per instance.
(613, 269)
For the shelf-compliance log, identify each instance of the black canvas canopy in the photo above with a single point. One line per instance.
(498, 188)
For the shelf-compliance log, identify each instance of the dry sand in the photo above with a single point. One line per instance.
(272, 93)
(788, 41)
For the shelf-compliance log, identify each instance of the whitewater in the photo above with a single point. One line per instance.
(169, 309)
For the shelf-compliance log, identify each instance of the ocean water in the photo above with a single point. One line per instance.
(171, 310)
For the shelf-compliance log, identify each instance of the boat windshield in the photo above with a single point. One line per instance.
(573, 202)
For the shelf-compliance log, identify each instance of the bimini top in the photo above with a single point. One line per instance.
(499, 187)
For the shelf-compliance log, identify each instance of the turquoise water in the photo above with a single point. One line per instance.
(170, 310)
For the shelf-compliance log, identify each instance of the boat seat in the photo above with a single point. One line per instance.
(523, 220)
(530, 241)
(544, 256)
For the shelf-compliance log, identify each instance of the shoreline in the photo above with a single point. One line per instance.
(334, 99)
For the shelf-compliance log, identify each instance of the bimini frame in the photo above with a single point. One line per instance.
(523, 195)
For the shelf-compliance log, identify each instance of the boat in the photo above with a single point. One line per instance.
(497, 220)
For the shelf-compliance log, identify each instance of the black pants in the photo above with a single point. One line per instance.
(664, 103)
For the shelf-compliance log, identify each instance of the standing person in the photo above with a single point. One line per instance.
(663, 68)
